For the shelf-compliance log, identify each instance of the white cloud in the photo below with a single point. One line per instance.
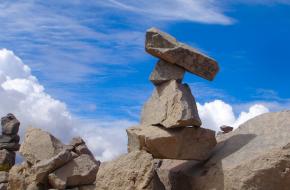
(217, 113)
(22, 95)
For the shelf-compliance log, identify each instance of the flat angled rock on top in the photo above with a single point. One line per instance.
(164, 72)
(166, 47)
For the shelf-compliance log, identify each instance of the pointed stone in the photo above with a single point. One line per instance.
(188, 143)
(166, 47)
(39, 145)
(171, 105)
(164, 72)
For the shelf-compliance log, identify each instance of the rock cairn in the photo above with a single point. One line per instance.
(50, 164)
(170, 123)
(9, 143)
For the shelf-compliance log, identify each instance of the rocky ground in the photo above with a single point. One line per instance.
(168, 150)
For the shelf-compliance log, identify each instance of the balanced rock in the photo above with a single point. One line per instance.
(80, 171)
(131, 171)
(166, 47)
(254, 156)
(10, 146)
(226, 129)
(189, 143)
(10, 125)
(39, 145)
(164, 72)
(7, 160)
(171, 105)
(9, 139)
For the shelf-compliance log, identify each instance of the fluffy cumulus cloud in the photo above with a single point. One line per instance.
(23, 95)
(217, 113)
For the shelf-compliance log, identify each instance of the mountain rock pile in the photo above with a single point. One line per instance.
(9, 143)
(170, 123)
(50, 164)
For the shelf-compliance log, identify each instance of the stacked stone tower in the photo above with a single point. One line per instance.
(9, 143)
(170, 123)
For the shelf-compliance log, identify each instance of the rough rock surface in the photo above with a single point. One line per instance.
(254, 156)
(166, 47)
(10, 125)
(39, 145)
(171, 105)
(164, 72)
(132, 171)
(7, 160)
(80, 171)
(189, 143)
(3, 177)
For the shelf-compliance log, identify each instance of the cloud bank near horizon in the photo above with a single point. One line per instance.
(22, 95)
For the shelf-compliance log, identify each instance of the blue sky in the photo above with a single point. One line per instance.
(90, 54)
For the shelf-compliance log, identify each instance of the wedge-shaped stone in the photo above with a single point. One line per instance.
(39, 145)
(189, 143)
(166, 47)
(171, 105)
(133, 171)
(80, 171)
(164, 72)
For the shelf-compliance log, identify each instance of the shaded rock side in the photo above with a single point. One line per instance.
(254, 156)
(133, 171)
(39, 145)
(166, 47)
(164, 72)
(171, 105)
(10, 125)
(187, 143)
(7, 160)
(80, 171)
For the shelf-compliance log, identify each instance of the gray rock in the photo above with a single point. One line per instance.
(226, 129)
(3, 186)
(7, 160)
(9, 138)
(10, 146)
(131, 171)
(3, 177)
(164, 72)
(39, 145)
(80, 171)
(166, 47)
(76, 141)
(171, 105)
(10, 125)
(83, 149)
(189, 143)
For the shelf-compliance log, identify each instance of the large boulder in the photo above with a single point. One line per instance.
(254, 156)
(39, 145)
(80, 171)
(10, 125)
(166, 47)
(189, 143)
(171, 105)
(164, 72)
(128, 172)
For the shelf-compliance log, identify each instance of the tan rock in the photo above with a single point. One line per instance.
(164, 72)
(132, 171)
(80, 171)
(40, 170)
(187, 143)
(254, 156)
(166, 47)
(171, 105)
(3, 186)
(17, 175)
(39, 145)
